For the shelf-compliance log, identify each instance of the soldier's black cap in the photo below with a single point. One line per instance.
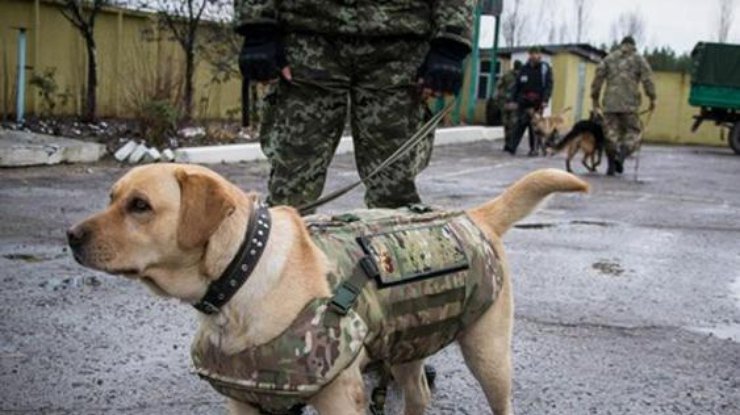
(629, 40)
(535, 49)
(517, 64)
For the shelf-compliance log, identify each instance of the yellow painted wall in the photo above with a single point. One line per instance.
(129, 65)
(674, 116)
(127, 61)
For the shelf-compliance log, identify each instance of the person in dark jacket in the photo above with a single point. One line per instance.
(531, 92)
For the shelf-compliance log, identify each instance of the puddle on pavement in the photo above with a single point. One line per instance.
(58, 284)
(535, 225)
(546, 225)
(725, 331)
(24, 257)
(608, 267)
(34, 258)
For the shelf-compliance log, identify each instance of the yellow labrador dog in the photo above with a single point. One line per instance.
(176, 228)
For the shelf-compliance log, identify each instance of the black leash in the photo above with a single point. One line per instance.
(415, 139)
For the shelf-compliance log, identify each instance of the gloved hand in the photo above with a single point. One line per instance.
(442, 70)
(262, 57)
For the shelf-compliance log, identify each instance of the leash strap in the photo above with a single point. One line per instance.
(415, 139)
(649, 113)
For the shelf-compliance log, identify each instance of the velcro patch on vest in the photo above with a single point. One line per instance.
(413, 254)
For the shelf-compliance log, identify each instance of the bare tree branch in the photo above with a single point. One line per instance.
(71, 19)
(514, 23)
(184, 19)
(629, 24)
(726, 15)
(582, 9)
(82, 14)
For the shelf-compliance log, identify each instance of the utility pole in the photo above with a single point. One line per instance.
(20, 99)
(496, 11)
(474, 64)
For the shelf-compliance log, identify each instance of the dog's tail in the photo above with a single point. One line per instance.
(521, 198)
(565, 140)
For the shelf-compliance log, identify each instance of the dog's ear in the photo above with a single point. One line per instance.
(204, 204)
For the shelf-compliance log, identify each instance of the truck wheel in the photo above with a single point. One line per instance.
(734, 139)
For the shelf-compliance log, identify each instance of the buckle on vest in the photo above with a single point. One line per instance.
(344, 298)
(347, 292)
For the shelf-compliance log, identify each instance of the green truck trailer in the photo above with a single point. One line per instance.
(715, 87)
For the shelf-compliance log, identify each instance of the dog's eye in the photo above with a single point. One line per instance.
(139, 205)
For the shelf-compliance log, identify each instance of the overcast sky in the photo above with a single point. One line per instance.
(677, 23)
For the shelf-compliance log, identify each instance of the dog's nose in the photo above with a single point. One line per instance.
(76, 236)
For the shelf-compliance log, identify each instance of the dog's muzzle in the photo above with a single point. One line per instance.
(77, 237)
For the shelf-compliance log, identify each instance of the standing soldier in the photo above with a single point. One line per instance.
(531, 92)
(623, 70)
(375, 60)
(507, 106)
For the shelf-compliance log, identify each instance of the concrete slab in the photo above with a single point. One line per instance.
(19, 148)
(608, 289)
(152, 155)
(138, 154)
(125, 151)
(235, 153)
(168, 155)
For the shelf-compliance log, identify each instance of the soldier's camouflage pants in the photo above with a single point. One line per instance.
(508, 121)
(622, 131)
(374, 80)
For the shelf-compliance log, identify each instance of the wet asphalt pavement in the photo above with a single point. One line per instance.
(627, 299)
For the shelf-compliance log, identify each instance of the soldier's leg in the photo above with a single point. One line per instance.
(509, 123)
(303, 122)
(532, 140)
(611, 134)
(632, 133)
(386, 109)
(523, 120)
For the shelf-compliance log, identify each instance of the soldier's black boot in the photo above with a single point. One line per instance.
(611, 167)
(618, 163)
(619, 159)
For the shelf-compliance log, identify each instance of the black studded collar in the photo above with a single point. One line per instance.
(221, 290)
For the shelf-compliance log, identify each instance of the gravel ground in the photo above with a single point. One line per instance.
(627, 299)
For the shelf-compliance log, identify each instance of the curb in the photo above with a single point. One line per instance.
(21, 149)
(236, 153)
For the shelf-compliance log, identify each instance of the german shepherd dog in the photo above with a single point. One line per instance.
(586, 135)
(547, 129)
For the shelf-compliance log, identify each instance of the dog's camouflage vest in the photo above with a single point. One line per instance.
(405, 284)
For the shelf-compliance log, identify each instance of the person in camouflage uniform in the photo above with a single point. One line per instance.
(508, 108)
(622, 70)
(365, 58)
